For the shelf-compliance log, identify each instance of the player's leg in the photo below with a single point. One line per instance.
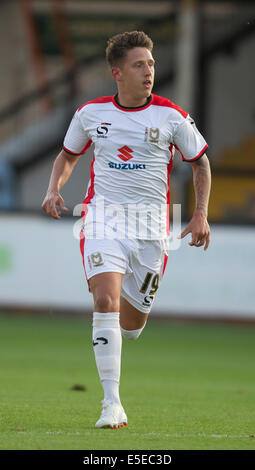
(106, 288)
(107, 343)
(132, 320)
(104, 264)
(147, 263)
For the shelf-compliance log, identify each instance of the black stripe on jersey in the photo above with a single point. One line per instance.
(132, 107)
(70, 153)
(195, 159)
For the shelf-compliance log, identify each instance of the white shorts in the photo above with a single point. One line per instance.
(142, 263)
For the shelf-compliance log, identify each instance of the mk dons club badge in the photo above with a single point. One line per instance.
(95, 260)
(151, 135)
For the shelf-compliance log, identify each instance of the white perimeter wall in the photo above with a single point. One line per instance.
(40, 266)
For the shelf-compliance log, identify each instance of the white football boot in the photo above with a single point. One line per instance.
(113, 416)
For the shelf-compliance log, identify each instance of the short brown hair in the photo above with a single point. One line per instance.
(118, 45)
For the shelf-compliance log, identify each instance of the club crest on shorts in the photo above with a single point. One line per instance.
(95, 260)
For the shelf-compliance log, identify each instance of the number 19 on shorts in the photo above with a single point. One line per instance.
(152, 282)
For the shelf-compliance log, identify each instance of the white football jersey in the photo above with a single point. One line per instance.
(133, 155)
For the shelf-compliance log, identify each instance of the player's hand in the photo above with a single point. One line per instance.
(51, 200)
(200, 230)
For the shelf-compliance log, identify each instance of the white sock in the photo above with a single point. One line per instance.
(107, 343)
(131, 334)
(111, 390)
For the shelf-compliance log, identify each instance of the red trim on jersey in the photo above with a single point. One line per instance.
(130, 110)
(169, 169)
(91, 190)
(87, 200)
(82, 244)
(88, 144)
(164, 265)
(159, 101)
(156, 101)
(69, 151)
(197, 157)
(102, 99)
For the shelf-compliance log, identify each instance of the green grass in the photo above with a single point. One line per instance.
(183, 386)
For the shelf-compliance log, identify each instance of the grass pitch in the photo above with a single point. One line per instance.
(183, 387)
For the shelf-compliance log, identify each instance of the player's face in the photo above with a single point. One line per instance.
(135, 76)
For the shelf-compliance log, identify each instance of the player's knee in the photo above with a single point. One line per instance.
(106, 303)
(131, 334)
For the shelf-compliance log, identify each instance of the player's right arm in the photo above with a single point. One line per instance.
(61, 172)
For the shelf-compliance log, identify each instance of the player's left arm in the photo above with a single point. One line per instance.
(198, 226)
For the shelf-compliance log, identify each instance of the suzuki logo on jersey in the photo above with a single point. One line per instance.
(102, 130)
(125, 153)
(127, 166)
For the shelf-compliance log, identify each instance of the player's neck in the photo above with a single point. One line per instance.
(128, 101)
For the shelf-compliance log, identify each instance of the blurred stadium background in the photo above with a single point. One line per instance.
(52, 60)
(200, 377)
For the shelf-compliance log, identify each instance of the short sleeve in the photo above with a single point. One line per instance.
(188, 140)
(76, 140)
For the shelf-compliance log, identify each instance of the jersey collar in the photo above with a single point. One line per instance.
(132, 109)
